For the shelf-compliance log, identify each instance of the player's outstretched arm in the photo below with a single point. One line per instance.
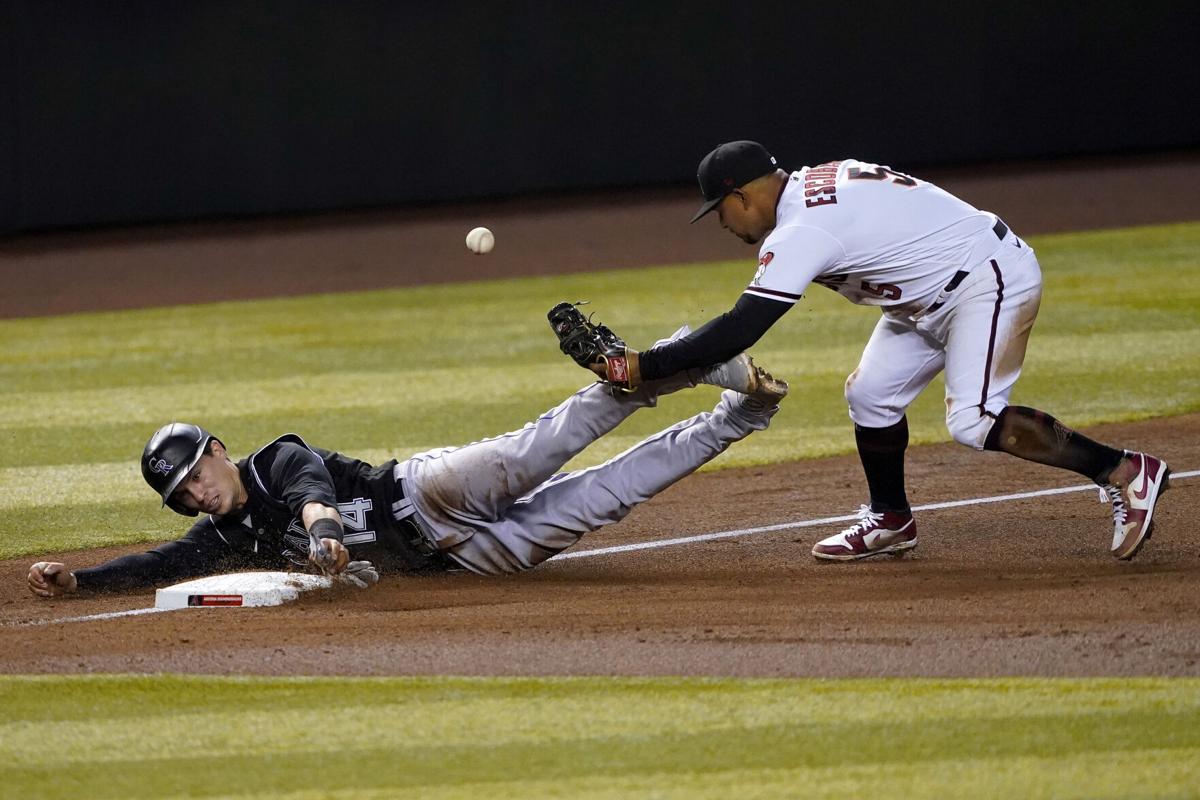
(717, 341)
(200, 552)
(51, 578)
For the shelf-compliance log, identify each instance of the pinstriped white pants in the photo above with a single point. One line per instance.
(978, 338)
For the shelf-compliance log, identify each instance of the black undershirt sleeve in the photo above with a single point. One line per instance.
(719, 340)
(201, 551)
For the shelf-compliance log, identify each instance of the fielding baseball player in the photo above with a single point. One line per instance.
(959, 293)
(492, 507)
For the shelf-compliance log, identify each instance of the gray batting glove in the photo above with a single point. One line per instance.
(360, 573)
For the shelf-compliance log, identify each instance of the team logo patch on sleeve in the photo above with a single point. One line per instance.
(762, 267)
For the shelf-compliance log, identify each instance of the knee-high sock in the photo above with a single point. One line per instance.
(882, 453)
(1036, 436)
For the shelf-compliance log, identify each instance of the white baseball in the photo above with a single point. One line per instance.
(480, 241)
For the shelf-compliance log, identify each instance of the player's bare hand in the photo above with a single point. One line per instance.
(50, 579)
(332, 557)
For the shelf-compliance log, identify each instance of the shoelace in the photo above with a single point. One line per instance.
(1112, 494)
(866, 519)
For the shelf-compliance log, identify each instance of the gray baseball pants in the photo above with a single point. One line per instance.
(502, 505)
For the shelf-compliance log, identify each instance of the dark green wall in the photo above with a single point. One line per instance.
(117, 112)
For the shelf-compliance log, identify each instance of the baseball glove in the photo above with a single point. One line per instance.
(594, 347)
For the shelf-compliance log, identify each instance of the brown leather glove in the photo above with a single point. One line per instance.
(595, 347)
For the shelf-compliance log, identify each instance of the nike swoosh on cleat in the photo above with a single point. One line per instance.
(1145, 490)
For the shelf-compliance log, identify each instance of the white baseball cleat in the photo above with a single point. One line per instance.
(765, 397)
(875, 533)
(1139, 481)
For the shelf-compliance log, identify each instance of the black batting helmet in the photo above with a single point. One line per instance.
(170, 455)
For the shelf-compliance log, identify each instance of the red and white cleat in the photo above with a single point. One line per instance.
(1137, 484)
(873, 534)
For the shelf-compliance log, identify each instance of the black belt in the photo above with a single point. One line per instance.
(416, 541)
(1001, 230)
(950, 287)
(419, 538)
(416, 550)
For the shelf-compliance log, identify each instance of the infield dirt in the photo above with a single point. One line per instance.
(1019, 588)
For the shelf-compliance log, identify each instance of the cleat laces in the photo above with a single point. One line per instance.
(867, 519)
(1112, 494)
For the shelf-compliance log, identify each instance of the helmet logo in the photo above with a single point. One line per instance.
(161, 466)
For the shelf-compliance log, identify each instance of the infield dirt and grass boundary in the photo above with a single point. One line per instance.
(1025, 588)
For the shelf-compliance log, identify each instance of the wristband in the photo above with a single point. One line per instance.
(326, 528)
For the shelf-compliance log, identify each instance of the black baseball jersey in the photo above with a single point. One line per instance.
(267, 532)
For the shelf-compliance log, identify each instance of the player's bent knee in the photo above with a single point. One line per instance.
(875, 416)
(865, 406)
(860, 395)
(851, 379)
(969, 427)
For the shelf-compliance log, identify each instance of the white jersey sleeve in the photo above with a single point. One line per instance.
(874, 235)
(790, 258)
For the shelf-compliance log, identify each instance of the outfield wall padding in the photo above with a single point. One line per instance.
(142, 110)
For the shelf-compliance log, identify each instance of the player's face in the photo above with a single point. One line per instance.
(213, 486)
(740, 217)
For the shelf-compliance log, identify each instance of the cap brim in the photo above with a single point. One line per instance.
(707, 207)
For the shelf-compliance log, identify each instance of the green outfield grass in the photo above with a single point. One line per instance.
(169, 736)
(388, 373)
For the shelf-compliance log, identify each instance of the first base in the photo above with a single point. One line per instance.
(240, 589)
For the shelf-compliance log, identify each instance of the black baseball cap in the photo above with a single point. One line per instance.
(731, 166)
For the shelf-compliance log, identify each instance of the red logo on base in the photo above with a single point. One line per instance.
(214, 599)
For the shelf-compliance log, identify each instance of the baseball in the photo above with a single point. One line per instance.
(480, 241)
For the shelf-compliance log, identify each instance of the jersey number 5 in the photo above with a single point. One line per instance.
(879, 174)
(888, 291)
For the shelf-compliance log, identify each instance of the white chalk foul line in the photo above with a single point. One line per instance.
(809, 523)
(90, 617)
(703, 537)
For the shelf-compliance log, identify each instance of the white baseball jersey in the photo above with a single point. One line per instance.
(877, 236)
(959, 292)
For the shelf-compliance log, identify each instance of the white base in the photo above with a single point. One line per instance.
(239, 589)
